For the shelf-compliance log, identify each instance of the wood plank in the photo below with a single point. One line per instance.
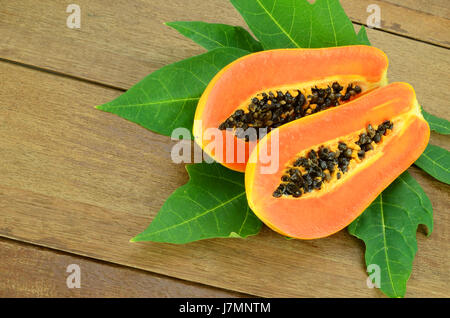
(119, 43)
(83, 181)
(403, 20)
(31, 271)
(439, 8)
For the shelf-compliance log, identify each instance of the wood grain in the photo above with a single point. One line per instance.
(31, 271)
(79, 180)
(403, 20)
(120, 42)
(439, 8)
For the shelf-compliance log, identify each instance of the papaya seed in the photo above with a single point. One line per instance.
(285, 107)
(320, 164)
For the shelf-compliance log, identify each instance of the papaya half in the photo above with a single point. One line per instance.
(333, 164)
(265, 90)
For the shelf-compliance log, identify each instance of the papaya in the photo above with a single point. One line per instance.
(265, 90)
(333, 164)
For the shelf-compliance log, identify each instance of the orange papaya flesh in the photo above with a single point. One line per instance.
(322, 212)
(282, 70)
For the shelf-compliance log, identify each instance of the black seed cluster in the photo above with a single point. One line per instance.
(273, 110)
(372, 135)
(320, 165)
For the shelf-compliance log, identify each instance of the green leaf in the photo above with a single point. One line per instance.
(297, 23)
(362, 36)
(436, 162)
(331, 26)
(167, 98)
(439, 125)
(388, 227)
(212, 204)
(214, 35)
(277, 23)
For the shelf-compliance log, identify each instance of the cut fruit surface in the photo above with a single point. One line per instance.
(318, 188)
(268, 89)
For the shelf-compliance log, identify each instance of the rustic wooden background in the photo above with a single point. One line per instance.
(76, 183)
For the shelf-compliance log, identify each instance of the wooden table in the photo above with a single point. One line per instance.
(76, 183)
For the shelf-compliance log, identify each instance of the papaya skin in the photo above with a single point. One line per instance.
(324, 212)
(281, 69)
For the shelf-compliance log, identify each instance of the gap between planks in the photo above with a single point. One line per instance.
(35, 275)
(124, 89)
(355, 8)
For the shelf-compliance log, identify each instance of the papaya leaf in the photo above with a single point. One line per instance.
(294, 24)
(437, 124)
(388, 227)
(214, 35)
(212, 204)
(362, 36)
(331, 25)
(277, 23)
(436, 162)
(167, 98)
